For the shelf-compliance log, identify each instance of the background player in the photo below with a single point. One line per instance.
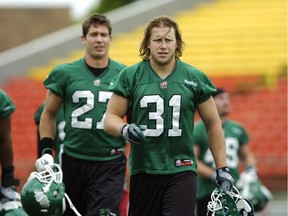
(8, 182)
(236, 149)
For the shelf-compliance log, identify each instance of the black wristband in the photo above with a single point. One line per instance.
(121, 129)
(225, 168)
(7, 179)
(7, 170)
(46, 145)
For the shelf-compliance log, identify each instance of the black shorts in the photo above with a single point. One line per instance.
(94, 187)
(163, 195)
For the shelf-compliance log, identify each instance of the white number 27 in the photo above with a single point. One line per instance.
(103, 97)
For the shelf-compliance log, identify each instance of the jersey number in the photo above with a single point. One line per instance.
(232, 146)
(103, 97)
(175, 103)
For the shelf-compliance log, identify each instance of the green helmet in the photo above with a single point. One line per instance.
(251, 188)
(229, 203)
(12, 208)
(44, 193)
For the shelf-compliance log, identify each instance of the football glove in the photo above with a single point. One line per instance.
(42, 161)
(224, 179)
(132, 133)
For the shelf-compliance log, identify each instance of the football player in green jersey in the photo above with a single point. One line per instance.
(236, 149)
(93, 161)
(160, 96)
(8, 182)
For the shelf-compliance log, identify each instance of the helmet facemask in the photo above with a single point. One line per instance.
(48, 176)
(44, 192)
(229, 203)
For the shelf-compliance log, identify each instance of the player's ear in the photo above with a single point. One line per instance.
(110, 39)
(83, 40)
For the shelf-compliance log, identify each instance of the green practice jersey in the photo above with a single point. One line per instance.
(85, 99)
(235, 136)
(7, 106)
(166, 108)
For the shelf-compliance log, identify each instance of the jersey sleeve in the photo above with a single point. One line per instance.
(54, 81)
(203, 85)
(7, 106)
(120, 84)
(206, 89)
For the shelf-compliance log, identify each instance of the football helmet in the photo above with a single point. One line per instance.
(229, 203)
(252, 189)
(44, 192)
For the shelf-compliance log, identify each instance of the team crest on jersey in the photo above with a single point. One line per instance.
(164, 85)
(183, 162)
(116, 151)
(97, 82)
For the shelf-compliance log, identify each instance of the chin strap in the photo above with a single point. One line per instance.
(72, 206)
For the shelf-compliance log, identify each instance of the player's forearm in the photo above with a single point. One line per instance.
(113, 124)
(6, 153)
(204, 170)
(250, 160)
(217, 145)
(6, 148)
(47, 127)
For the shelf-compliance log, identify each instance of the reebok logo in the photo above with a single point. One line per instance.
(191, 83)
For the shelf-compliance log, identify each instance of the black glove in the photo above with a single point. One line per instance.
(132, 133)
(224, 179)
